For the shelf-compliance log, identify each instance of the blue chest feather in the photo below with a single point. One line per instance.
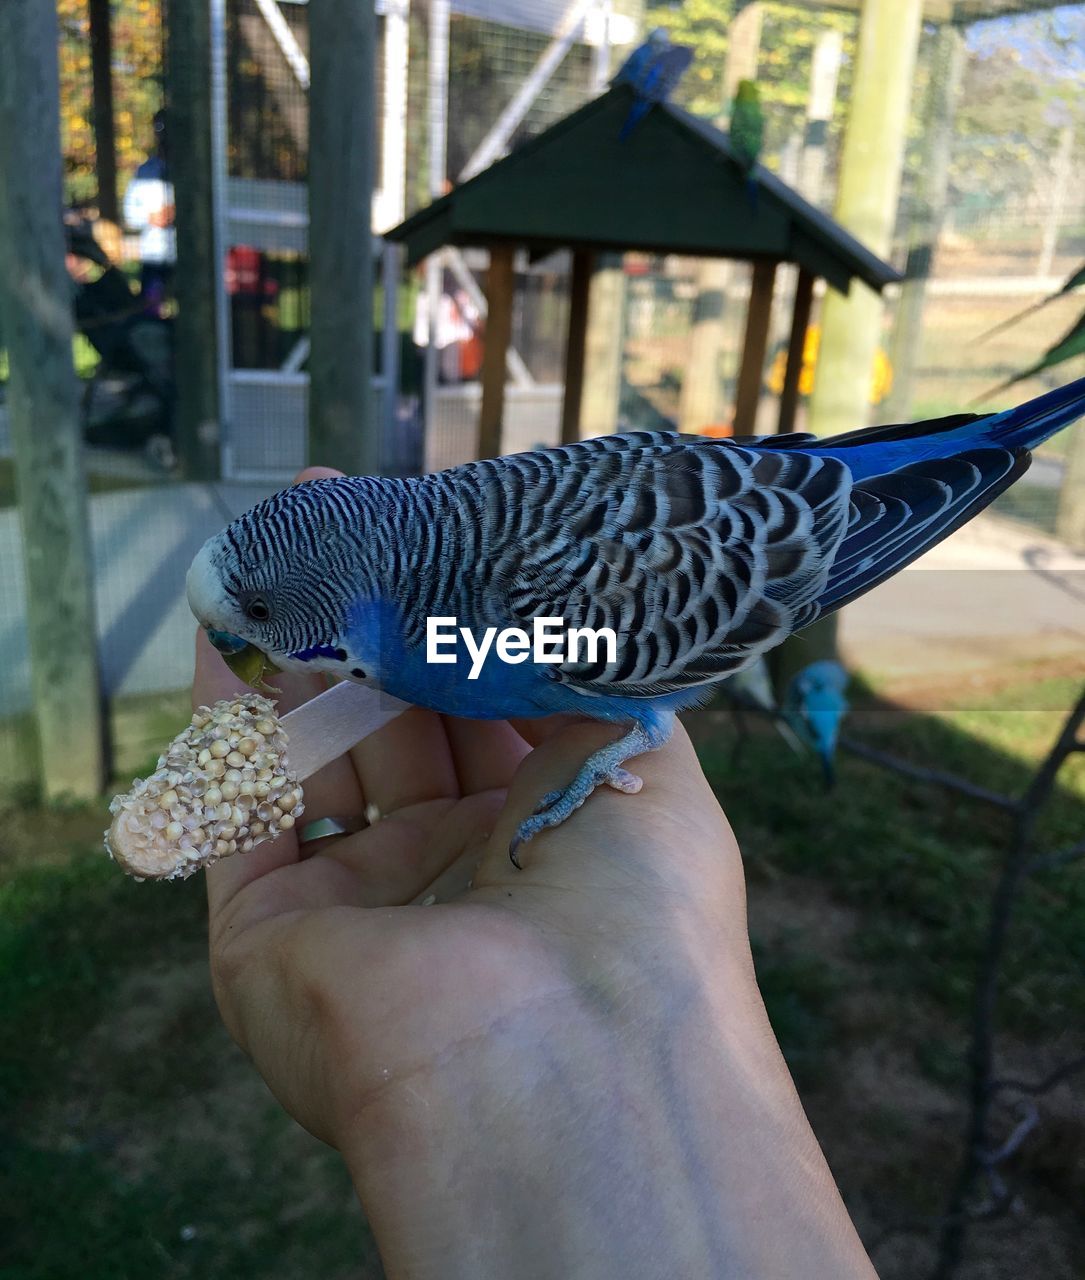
(502, 691)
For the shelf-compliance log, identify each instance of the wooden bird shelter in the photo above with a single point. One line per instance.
(675, 186)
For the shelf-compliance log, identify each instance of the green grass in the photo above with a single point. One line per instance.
(918, 862)
(211, 1184)
(800, 991)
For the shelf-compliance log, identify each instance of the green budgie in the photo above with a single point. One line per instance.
(748, 132)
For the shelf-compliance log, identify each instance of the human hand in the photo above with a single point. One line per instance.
(562, 1070)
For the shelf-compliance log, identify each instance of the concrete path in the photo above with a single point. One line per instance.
(143, 541)
(993, 594)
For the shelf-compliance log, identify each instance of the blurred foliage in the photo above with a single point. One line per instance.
(137, 90)
(267, 134)
(789, 34)
(1007, 124)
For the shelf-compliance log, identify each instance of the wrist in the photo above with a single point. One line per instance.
(623, 1128)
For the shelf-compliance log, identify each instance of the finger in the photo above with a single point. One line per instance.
(407, 762)
(486, 753)
(316, 473)
(399, 858)
(535, 732)
(674, 824)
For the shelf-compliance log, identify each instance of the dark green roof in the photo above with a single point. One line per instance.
(674, 186)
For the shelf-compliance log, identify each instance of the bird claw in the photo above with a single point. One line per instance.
(548, 801)
(556, 806)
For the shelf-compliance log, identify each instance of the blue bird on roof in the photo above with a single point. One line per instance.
(653, 71)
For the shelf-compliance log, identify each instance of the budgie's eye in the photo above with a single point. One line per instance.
(257, 609)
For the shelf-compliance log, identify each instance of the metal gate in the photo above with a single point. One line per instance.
(264, 219)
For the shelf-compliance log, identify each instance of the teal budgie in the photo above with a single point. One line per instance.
(747, 132)
(698, 555)
(815, 706)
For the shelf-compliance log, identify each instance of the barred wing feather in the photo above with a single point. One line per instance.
(698, 556)
(702, 555)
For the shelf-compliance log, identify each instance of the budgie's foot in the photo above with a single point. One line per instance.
(603, 768)
(620, 779)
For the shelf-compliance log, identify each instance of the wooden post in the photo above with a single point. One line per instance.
(500, 287)
(343, 428)
(751, 373)
(43, 404)
(1070, 525)
(575, 348)
(437, 53)
(188, 107)
(866, 205)
(947, 64)
(105, 143)
(604, 344)
(1060, 186)
(702, 386)
(796, 349)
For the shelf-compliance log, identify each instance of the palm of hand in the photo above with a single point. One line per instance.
(345, 996)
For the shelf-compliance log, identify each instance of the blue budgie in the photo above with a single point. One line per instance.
(697, 555)
(653, 71)
(815, 706)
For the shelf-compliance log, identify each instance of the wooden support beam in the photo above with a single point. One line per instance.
(702, 383)
(105, 141)
(188, 106)
(929, 200)
(500, 289)
(43, 406)
(1070, 525)
(343, 428)
(866, 205)
(576, 344)
(604, 344)
(750, 375)
(796, 348)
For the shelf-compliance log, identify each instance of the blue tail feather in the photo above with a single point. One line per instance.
(639, 110)
(879, 450)
(1032, 423)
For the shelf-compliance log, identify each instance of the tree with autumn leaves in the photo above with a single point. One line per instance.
(137, 90)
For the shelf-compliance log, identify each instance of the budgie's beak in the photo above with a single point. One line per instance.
(246, 661)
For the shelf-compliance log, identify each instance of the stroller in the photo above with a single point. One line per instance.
(129, 402)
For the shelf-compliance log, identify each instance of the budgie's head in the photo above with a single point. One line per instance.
(274, 583)
(747, 93)
(816, 707)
